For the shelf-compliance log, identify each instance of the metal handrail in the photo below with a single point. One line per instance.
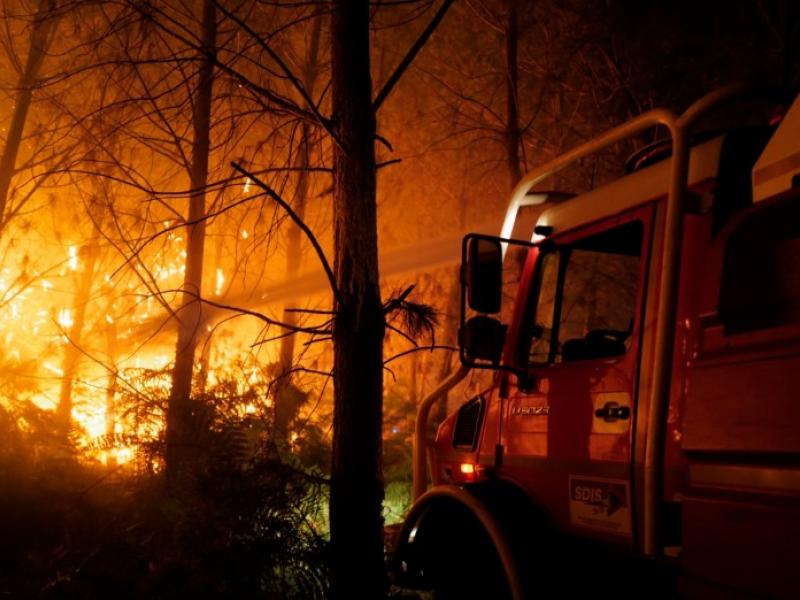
(667, 304)
(419, 472)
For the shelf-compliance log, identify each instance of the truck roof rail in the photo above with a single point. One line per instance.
(529, 199)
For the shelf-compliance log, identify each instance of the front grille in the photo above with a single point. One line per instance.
(465, 434)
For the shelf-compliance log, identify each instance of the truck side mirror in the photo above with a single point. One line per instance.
(483, 273)
(482, 339)
(481, 336)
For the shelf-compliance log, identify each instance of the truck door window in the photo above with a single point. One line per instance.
(593, 301)
(545, 306)
(513, 267)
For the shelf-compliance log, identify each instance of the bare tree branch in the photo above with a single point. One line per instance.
(431, 348)
(409, 58)
(253, 313)
(299, 222)
(323, 122)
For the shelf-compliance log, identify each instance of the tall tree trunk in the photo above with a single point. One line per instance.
(180, 408)
(41, 30)
(72, 352)
(512, 133)
(357, 569)
(283, 408)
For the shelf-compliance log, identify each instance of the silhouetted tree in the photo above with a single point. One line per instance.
(356, 473)
(42, 30)
(180, 408)
(356, 470)
(294, 248)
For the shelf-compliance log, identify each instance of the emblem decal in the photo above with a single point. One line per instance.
(600, 504)
(530, 411)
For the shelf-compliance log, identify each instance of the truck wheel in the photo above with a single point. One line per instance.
(452, 557)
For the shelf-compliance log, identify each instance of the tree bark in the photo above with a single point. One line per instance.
(180, 409)
(357, 568)
(41, 30)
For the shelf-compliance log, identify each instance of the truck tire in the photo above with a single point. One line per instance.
(452, 546)
(460, 561)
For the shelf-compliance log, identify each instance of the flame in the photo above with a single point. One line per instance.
(35, 322)
(219, 283)
(53, 369)
(72, 262)
(65, 318)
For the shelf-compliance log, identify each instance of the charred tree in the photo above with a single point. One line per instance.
(356, 491)
(356, 495)
(180, 409)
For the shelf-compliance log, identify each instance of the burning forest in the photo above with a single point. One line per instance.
(230, 236)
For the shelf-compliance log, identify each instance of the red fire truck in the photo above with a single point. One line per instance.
(642, 431)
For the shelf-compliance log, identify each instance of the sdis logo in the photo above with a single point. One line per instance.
(587, 494)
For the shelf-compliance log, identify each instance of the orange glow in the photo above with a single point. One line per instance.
(467, 468)
(113, 340)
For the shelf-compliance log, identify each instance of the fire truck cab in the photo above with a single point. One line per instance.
(645, 403)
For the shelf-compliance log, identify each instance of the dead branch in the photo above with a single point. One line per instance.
(410, 56)
(430, 347)
(299, 222)
(253, 313)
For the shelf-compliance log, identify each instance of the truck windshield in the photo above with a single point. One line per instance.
(585, 298)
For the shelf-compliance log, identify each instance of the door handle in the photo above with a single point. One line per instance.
(613, 411)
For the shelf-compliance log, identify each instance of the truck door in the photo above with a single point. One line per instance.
(569, 441)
